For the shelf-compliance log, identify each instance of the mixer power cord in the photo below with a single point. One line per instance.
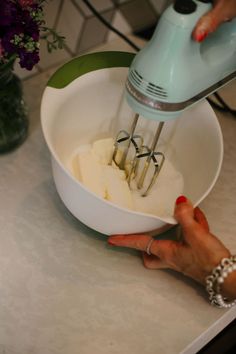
(220, 105)
(108, 25)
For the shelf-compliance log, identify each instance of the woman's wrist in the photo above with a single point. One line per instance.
(228, 288)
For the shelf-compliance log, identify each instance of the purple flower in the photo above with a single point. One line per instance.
(1, 49)
(8, 13)
(28, 60)
(25, 3)
(7, 44)
(20, 24)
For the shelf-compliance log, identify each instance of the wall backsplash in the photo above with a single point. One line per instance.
(83, 30)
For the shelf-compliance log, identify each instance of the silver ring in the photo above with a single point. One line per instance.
(149, 245)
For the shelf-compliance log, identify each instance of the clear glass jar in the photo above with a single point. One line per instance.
(13, 116)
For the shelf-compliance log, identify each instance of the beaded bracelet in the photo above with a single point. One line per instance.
(217, 277)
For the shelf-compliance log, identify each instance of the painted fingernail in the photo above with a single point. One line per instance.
(181, 199)
(111, 242)
(199, 37)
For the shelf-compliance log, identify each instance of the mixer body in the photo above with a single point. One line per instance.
(172, 72)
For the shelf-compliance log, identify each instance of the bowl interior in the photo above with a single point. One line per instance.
(94, 107)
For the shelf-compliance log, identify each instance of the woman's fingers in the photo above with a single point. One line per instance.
(137, 241)
(193, 222)
(196, 233)
(222, 11)
(187, 216)
(194, 226)
(184, 212)
(141, 242)
(167, 251)
(208, 23)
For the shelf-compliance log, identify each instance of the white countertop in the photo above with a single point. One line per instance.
(65, 291)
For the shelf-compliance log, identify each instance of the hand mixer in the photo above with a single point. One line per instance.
(170, 74)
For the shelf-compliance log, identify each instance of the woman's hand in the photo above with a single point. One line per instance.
(222, 11)
(195, 256)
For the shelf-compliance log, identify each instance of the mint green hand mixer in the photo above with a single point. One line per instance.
(170, 74)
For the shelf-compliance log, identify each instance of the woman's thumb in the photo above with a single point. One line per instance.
(184, 212)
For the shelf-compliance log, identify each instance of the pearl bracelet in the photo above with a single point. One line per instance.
(217, 277)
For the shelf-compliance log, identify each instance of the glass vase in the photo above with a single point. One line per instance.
(13, 116)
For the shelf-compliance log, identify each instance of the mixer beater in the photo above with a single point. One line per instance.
(125, 159)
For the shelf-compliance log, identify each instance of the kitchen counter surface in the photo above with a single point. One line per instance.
(64, 290)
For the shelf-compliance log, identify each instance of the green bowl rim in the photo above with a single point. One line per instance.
(86, 63)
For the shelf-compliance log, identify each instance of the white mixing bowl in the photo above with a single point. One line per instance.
(84, 101)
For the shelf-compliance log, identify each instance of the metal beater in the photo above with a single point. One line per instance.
(123, 143)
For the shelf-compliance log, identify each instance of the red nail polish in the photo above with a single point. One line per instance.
(181, 199)
(111, 242)
(200, 36)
